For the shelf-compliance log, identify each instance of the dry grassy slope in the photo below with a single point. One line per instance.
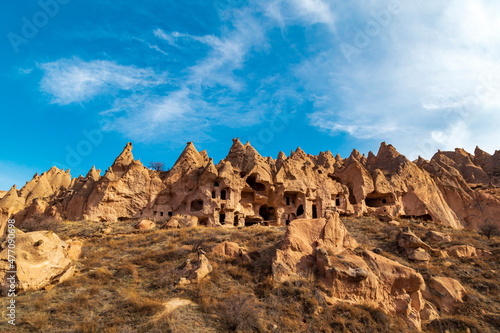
(127, 277)
(480, 276)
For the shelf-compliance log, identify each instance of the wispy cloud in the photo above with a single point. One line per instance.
(300, 12)
(427, 77)
(210, 93)
(74, 80)
(172, 38)
(316, 11)
(426, 74)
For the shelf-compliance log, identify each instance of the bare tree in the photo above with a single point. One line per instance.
(489, 229)
(158, 166)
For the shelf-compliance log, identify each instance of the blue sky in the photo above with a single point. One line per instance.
(79, 79)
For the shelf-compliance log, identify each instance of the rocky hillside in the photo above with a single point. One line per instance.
(328, 274)
(455, 189)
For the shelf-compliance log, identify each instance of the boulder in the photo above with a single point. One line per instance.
(232, 250)
(145, 225)
(195, 272)
(445, 292)
(437, 237)
(40, 260)
(74, 249)
(408, 240)
(429, 312)
(394, 223)
(415, 248)
(106, 231)
(182, 221)
(418, 254)
(462, 251)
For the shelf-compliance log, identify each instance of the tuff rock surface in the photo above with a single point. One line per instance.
(325, 246)
(455, 189)
(41, 259)
(232, 250)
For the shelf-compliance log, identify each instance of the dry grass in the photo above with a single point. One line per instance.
(480, 311)
(126, 277)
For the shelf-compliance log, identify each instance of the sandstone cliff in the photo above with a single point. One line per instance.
(456, 189)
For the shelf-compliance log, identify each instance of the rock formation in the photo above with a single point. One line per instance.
(325, 246)
(145, 225)
(456, 189)
(41, 259)
(195, 272)
(181, 221)
(437, 237)
(446, 292)
(232, 250)
(461, 251)
(415, 248)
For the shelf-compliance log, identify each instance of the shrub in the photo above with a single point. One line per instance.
(240, 313)
(39, 224)
(489, 229)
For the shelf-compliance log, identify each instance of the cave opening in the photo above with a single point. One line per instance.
(252, 182)
(300, 210)
(314, 212)
(378, 200)
(352, 198)
(222, 218)
(196, 205)
(424, 217)
(223, 195)
(267, 212)
(251, 220)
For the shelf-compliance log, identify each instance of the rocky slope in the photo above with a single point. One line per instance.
(455, 189)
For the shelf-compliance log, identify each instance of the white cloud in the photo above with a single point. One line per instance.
(74, 80)
(147, 109)
(25, 71)
(172, 37)
(317, 11)
(303, 11)
(186, 112)
(430, 76)
(156, 48)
